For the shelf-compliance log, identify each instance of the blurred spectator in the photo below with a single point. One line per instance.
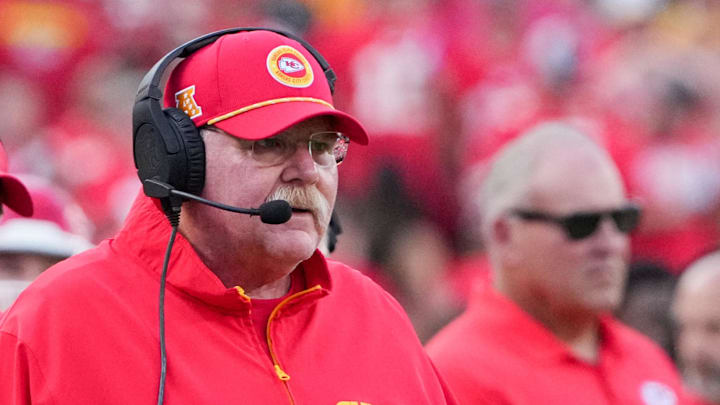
(663, 88)
(676, 173)
(399, 92)
(287, 15)
(411, 255)
(43, 40)
(25, 110)
(696, 310)
(646, 303)
(556, 219)
(28, 245)
(13, 193)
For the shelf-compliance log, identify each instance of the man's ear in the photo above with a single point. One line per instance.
(503, 240)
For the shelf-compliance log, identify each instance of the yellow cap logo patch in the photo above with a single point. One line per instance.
(289, 67)
(185, 100)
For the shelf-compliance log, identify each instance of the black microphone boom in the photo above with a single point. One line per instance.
(272, 212)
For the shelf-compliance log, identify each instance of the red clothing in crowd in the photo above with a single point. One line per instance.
(86, 332)
(693, 399)
(495, 353)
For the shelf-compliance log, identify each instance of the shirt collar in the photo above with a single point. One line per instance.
(521, 332)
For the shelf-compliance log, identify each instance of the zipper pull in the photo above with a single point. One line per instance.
(281, 374)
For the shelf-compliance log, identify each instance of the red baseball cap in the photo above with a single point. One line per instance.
(253, 85)
(58, 226)
(13, 192)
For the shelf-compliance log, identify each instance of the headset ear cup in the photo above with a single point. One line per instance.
(193, 180)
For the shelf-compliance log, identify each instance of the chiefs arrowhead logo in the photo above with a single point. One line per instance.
(289, 67)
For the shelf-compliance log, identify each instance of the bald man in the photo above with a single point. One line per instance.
(556, 224)
(696, 311)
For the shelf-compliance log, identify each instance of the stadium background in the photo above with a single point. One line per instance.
(439, 84)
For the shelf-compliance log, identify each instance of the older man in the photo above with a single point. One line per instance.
(253, 313)
(556, 223)
(696, 311)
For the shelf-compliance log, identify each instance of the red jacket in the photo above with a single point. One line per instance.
(495, 353)
(86, 332)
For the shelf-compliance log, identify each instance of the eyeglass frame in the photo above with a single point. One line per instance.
(251, 144)
(565, 222)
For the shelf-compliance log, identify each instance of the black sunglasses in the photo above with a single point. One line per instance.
(580, 225)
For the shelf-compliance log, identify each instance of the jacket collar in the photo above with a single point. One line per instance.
(145, 236)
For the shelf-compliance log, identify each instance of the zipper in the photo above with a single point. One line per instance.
(279, 372)
(241, 293)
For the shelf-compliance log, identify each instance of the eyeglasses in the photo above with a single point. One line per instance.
(580, 225)
(326, 148)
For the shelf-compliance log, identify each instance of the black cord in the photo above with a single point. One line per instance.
(174, 221)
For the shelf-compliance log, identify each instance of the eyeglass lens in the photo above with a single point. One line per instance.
(580, 226)
(326, 148)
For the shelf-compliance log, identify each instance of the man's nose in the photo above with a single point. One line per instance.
(609, 238)
(301, 166)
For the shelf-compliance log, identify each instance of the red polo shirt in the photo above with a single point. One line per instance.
(495, 353)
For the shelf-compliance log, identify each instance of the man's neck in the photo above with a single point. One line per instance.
(255, 271)
(256, 279)
(275, 289)
(579, 330)
(581, 334)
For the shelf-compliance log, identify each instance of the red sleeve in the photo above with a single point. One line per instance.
(449, 397)
(19, 375)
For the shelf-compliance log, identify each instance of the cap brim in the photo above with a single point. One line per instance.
(15, 195)
(41, 237)
(267, 121)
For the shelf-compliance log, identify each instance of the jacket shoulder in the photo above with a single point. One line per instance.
(348, 281)
(71, 284)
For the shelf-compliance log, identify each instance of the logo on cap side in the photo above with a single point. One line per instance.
(289, 67)
(185, 100)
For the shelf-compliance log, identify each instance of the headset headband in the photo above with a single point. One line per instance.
(150, 84)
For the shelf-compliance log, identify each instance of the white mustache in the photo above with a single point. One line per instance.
(306, 198)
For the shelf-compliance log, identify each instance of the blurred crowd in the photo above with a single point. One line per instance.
(439, 84)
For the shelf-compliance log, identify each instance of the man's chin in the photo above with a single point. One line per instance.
(294, 244)
(604, 300)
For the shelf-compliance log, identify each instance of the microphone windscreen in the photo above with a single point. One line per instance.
(275, 212)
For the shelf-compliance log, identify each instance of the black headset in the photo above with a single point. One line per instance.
(167, 146)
